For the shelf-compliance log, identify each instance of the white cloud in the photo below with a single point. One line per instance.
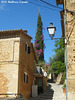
(2, 6)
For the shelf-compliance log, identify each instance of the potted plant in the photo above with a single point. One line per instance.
(64, 88)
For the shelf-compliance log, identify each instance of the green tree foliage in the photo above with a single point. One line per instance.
(58, 67)
(57, 61)
(59, 50)
(39, 40)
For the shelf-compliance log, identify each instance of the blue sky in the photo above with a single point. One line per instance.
(24, 16)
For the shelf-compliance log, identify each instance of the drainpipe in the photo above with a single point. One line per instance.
(64, 10)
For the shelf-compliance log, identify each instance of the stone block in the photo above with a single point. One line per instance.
(71, 85)
(5, 53)
(71, 75)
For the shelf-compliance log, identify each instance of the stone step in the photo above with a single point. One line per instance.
(49, 90)
(46, 97)
(47, 94)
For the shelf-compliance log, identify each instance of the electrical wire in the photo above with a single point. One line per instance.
(50, 39)
(43, 6)
(40, 40)
(50, 4)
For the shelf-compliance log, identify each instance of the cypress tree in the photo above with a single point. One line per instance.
(39, 40)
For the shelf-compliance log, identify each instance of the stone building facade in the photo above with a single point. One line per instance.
(17, 62)
(69, 10)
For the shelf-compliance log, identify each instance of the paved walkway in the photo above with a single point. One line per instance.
(53, 92)
(58, 92)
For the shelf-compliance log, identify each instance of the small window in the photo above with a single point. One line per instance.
(25, 78)
(26, 47)
(29, 50)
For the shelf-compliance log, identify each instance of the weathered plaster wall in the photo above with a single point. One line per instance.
(9, 65)
(3, 83)
(10, 81)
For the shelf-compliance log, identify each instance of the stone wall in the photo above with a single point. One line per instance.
(9, 65)
(59, 78)
(70, 34)
(26, 65)
(3, 83)
(15, 62)
(8, 78)
(5, 54)
(69, 5)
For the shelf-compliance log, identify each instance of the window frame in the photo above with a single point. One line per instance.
(27, 48)
(25, 77)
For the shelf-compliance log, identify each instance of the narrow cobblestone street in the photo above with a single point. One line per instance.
(53, 92)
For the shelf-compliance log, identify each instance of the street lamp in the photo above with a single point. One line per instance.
(51, 29)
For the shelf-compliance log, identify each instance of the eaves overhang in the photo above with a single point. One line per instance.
(59, 2)
(13, 33)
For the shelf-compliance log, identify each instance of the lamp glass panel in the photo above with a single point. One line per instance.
(51, 31)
